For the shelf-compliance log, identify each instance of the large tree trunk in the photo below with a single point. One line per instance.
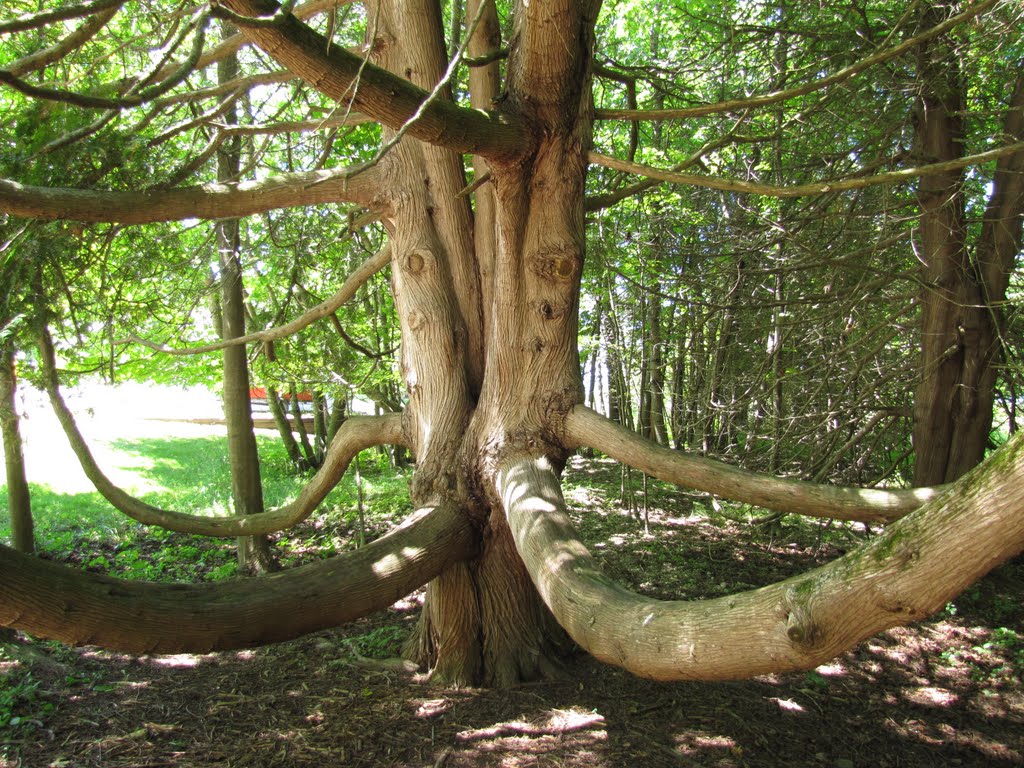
(482, 620)
(961, 303)
(19, 503)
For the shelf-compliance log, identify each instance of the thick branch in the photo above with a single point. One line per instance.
(207, 201)
(60, 603)
(381, 94)
(589, 428)
(802, 190)
(903, 575)
(737, 105)
(326, 308)
(357, 433)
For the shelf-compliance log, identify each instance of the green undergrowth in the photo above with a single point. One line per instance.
(193, 478)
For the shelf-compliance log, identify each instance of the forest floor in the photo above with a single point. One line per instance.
(948, 691)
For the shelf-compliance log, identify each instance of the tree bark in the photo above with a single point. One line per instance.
(243, 457)
(962, 301)
(19, 502)
(584, 427)
(903, 575)
(81, 608)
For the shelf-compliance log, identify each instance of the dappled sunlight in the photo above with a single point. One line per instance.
(832, 669)
(179, 660)
(930, 695)
(787, 705)
(387, 564)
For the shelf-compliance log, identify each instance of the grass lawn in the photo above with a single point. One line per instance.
(183, 467)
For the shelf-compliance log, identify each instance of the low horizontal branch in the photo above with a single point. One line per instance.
(354, 435)
(79, 608)
(802, 190)
(903, 575)
(586, 427)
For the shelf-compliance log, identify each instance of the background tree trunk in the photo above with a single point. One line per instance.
(243, 456)
(19, 503)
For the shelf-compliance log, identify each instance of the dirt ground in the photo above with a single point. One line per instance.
(947, 692)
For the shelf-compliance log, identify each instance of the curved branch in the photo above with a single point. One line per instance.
(381, 94)
(208, 201)
(802, 190)
(36, 20)
(775, 97)
(366, 270)
(33, 62)
(903, 575)
(78, 608)
(588, 428)
(606, 200)
(357, 433)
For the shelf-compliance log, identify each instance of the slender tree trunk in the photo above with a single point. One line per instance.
(657, 380)
(18, 501)
(610, 342)
(243, 457)
(284, 429)
(996, 255)
(718, 417)
(320, 416)
(300, 425)
(643, 410)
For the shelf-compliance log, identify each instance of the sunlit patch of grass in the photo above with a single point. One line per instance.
(191, 475)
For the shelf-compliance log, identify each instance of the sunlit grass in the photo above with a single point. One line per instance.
(185, 470)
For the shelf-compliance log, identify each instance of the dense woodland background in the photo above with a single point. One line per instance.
(784, 333)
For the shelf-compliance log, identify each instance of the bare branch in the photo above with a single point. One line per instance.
(365, 271)
(142, 617)
(238, 41)
(434, 95)
(589, 428)
(296, 126)
(901, 576)
(801, 90)
(207, 201)
(599, 202)
(802, 190)
(230, 86)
